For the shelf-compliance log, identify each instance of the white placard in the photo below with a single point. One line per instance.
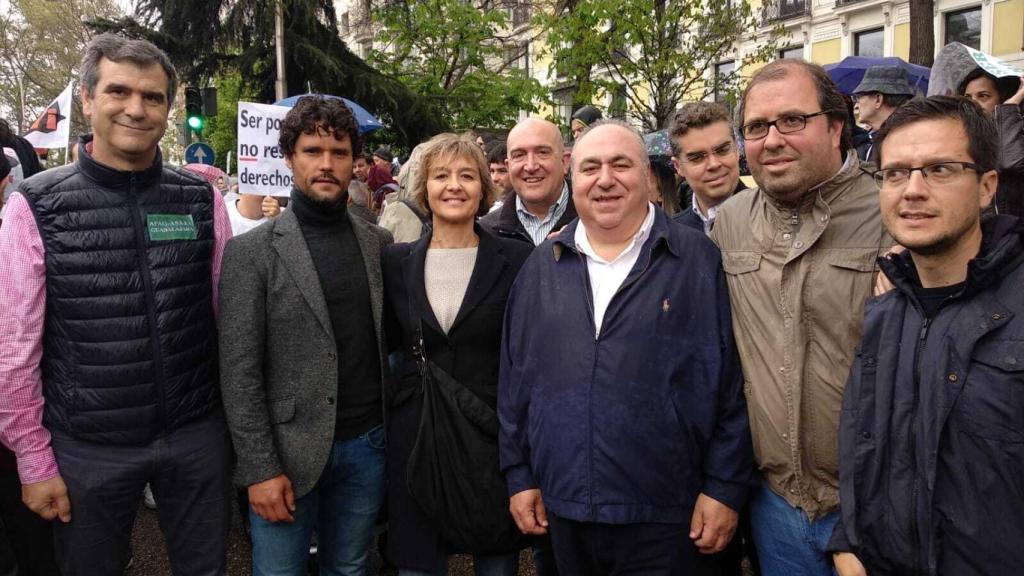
(261, 166)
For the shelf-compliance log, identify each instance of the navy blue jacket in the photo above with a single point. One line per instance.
(931, 440)
(688, 217)
(629, 427)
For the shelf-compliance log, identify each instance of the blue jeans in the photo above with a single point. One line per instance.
(788, 542)
(505, 565)
(342, 507)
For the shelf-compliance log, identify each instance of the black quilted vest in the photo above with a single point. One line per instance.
(130, 340)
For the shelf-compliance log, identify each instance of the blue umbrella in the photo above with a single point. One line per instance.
(848, 72)
(367, 122)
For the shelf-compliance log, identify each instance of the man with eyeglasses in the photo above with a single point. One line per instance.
(932, 433)
(704, 152)
(540, 202)
(799, 254)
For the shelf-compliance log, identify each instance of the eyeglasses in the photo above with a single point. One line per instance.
(786, 124)
(698, 158)
(938, 174)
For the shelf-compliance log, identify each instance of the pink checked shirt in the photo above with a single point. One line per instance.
(22, 312)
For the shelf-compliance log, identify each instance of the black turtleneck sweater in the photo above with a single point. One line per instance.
(339, 264)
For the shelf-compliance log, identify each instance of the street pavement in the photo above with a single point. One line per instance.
(151, 556)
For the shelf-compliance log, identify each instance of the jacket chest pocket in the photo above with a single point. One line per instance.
(839, 283)
(992, 400)
(737, 263)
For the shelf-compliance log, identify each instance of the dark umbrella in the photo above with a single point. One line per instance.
(367, 122)
(848, 72)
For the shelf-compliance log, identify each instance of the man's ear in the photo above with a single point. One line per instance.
(988, 182)
(83, 94)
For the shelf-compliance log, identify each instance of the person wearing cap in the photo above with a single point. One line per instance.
(383, 157)
(582, 118)
(882, 90)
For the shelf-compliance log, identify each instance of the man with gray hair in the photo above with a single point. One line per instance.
(634, 456)
(108, 338)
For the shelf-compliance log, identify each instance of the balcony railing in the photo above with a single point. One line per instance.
(840, 3)
(778, 10)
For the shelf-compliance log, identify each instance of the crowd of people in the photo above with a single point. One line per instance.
(522, 343)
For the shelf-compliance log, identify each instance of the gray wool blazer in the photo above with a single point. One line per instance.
(278, 359)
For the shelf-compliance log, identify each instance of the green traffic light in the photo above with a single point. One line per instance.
(195, 122)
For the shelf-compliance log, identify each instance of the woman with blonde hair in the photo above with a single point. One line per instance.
(445, 300)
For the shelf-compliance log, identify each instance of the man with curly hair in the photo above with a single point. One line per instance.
(303, 356)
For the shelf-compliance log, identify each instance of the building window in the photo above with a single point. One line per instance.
(563, 103)
(517, 56)
(520, 14)
(869, 43)
(723, 80)
(964, 26)
(792, 53)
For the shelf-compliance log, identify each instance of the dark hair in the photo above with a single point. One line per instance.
(119, 49)
(313, 113)
(5, 132)
(368, 158)
(497, 151)
(830, 99)
(982, 134)
(692, 116)
(665, 176)
(1004, 89)
(446, 147)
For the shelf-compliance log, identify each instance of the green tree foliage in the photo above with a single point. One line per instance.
(221, 131)
(209, 39)
(658, 50)
(460, 55)
(41, 45)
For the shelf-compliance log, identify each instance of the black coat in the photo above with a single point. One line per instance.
(469, 352)
(931, 438)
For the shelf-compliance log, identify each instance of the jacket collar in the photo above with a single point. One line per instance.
(1002, 251)
(489, 264)
(660, 235)
(508, 219)
(111, 178)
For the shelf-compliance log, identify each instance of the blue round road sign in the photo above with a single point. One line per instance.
(199, 153)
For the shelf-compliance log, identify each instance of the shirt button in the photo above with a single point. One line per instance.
(952, 377)
(330, 400)
(785, 436)
(798, 244)
(331, 356)
(787, 236)
(824, 217)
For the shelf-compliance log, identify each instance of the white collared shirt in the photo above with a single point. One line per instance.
(539, 228)
(708, 220)
(607, 276)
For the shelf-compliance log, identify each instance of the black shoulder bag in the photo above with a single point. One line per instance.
(453, 471)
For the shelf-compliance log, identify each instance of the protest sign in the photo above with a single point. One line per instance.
(261, 166)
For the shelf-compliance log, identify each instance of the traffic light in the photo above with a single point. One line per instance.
(194, 109)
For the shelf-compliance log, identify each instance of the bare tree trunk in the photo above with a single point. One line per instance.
(922, 32)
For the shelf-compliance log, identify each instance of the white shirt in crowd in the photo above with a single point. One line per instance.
(606, 277)
(240, 224)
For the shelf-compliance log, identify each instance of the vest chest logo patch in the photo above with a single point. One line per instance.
(164, 227)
